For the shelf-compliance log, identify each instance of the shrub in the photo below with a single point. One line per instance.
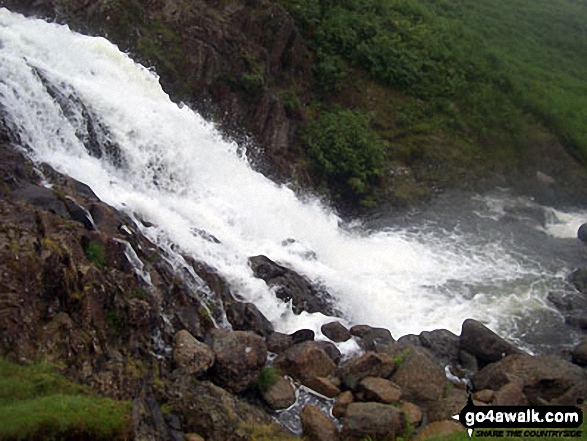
(346, 152)
(268, 378)
(96, 254)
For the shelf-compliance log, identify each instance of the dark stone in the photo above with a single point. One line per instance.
(379, 390)
(579, 279)
(369, 364)
(317, 426)
(302, 335)
(305, 360)
(582, 233)
(336, 332)
(42, 198)
(543, 379)
(420, 376)
(371, 338)
(79, 214)
(240, 357)
(330, 349)
(290, 286)
(442, 343)
(484, 344)
(278, 342)
(378, 421)
(279, 395)
(148, 421)
(244, 316)
(580, 354)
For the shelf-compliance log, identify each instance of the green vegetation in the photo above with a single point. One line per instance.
(96, 254)
(268, 378)
(465, 83)
(346, 152)
(37, 403)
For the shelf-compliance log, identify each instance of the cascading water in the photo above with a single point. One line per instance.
(82, 106)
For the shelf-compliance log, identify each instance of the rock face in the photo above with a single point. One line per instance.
(240, 357)
(290, 286)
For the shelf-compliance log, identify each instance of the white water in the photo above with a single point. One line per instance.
(176, 172)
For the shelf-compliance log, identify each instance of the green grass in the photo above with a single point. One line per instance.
(96, 254)
(268, 378)
(38, 403)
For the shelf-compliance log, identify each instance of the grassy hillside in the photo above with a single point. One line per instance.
(453, 89)
(541, 47)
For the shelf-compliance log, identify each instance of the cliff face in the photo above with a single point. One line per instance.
(242, 64)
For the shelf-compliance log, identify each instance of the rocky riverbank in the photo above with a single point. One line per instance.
(83, 288)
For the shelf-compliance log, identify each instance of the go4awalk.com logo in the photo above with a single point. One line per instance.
(521, 421)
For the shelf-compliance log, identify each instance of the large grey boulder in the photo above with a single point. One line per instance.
(188, 353)
(374, 420)
(480, 341)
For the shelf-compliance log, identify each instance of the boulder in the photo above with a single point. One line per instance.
(331, 350)
(278, 342)
(375, 420)
(439, 429)
(342, 403)
(448, 405)
(442, 343)
(582, 233)
(336, 332)
(370, 364)
(188, 353)
(290, 286)
(510, 395)
(316, 426)
(302, 335)
(420, 377)
(279, 395)
(412, 412)
(372, 338)
(379, 390)
(323, 386)
(484, 344)
(579, 353)
(240, 357)
(304, 361)
(244, 316)
(543, 379)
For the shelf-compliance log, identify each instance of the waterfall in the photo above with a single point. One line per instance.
(85, 108)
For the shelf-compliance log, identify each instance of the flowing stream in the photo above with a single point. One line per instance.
(85, 108)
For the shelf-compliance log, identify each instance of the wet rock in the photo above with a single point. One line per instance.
(468, 361)
(278, 342)
(543, 379)
(371, 338)
(305, 361)
(439, 429)
(43, 198)
(244, 316)
(302, 335)
(370, 364)
(579, 354)
(331, 350)
(582, 233)
(442, 343)
(240, 357)
(336, 332)
(484, 344)
(379, 390)
(323, 386)
(375, 420)
(342, 403)
(579, 279)
(148, 421)
(290, 286)
(279, 395)
(420, 377)
(188, 353)
(317, 426)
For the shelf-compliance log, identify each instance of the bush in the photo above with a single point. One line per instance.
(96, 254)
(346, 152)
